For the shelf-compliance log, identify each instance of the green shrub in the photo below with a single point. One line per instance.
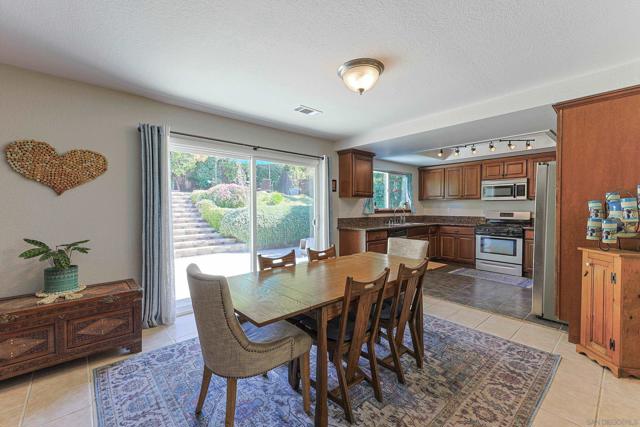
(223, 195)
(198, 195)
(211, 213)
(269, 199)
(280, 225)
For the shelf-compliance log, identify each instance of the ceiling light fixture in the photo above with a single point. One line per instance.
(511, 146)
(456, 152)
(361, 74)
(473, 149)
(529, 146)
(440, 153)
(492, 147)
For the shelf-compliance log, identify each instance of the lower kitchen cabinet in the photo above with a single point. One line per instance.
(527, 263)
(459, 247)
(377, 246)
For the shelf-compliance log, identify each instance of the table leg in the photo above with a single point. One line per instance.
(321, 416)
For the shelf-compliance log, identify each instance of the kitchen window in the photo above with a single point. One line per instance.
(391, 191)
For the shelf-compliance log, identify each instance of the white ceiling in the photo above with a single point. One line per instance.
(258, 60)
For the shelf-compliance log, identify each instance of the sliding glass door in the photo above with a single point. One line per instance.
(285, 208)
(228, 206)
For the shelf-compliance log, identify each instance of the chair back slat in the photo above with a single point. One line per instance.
(360, 298)
(409, 292)
(321, 255)
(268, 263)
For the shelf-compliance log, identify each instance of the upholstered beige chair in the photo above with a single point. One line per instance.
(408, 248)
(232, 352)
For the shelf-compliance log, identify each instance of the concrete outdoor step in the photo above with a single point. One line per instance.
(186, 215)
(196, 236)
(191, 231)
(200, 243)
(190, 224)
(193, 210)
(206, 250)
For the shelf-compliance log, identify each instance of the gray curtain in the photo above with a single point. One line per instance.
(157, 255)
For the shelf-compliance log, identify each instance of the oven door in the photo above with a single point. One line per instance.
(499, 249)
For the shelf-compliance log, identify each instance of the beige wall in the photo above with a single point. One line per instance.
(68, 115)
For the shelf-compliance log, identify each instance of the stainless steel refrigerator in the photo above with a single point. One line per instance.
(544, 254)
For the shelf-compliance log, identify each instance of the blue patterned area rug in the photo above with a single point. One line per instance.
(469, 379)
(521, 282)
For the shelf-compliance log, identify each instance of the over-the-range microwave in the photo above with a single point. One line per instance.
(505, 189)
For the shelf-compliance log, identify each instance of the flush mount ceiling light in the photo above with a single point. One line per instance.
(360, 74)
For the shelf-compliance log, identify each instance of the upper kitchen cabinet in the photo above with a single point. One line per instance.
(431, 184)
(453, 182)
(532, 169)
(471, 174)
(356, 173)
(461, 181)
(514, 167)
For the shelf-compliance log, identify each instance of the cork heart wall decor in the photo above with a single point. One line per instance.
(40, 162)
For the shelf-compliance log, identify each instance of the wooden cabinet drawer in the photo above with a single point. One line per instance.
(100, 327)
(376, 235)
(27, 344)
(452, 229)
(417, 231)
(380, 246)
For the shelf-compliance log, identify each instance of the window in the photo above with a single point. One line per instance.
(390, 191)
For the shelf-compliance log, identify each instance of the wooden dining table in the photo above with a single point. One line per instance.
(315, 289)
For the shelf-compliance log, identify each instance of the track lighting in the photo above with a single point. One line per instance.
(529, 146)
(456, 152)
(440, 153)
(492, 147)
(511, 146)
(473, 149)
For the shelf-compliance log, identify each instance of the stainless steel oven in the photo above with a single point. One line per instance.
(505, 189)
(499, 254)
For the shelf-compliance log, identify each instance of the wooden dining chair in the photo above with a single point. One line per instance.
(357, 325)
(408, 248)
(405, 304)
(321, 255)
(232, 352)
(267, 263)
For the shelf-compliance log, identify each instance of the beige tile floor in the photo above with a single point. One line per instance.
(582, 393)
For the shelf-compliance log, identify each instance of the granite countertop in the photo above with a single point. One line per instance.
(400, 227)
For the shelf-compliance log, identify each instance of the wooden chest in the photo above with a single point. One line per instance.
(35, 336)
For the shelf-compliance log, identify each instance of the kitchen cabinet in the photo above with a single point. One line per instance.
(509, 167)
(471, 176)
(377, 246)
(457, 244)
(527, 263)
(453, 182)
(609, 306)
(431, 184)
(532, 169)
(355, 171)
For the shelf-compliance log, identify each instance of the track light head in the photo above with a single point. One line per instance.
(440, 153)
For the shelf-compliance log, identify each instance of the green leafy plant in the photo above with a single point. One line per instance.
(60, 257)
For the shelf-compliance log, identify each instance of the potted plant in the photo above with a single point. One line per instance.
(62, 276)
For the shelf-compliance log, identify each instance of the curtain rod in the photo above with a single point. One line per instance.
(242, 144)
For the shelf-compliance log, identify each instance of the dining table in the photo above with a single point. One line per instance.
(315, 289)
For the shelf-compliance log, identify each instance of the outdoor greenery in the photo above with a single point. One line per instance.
(391, 185)
(211, 213)
(223, 195)
(277, 226)
(60, 257)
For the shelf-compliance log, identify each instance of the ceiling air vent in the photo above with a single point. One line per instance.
(307, 111)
